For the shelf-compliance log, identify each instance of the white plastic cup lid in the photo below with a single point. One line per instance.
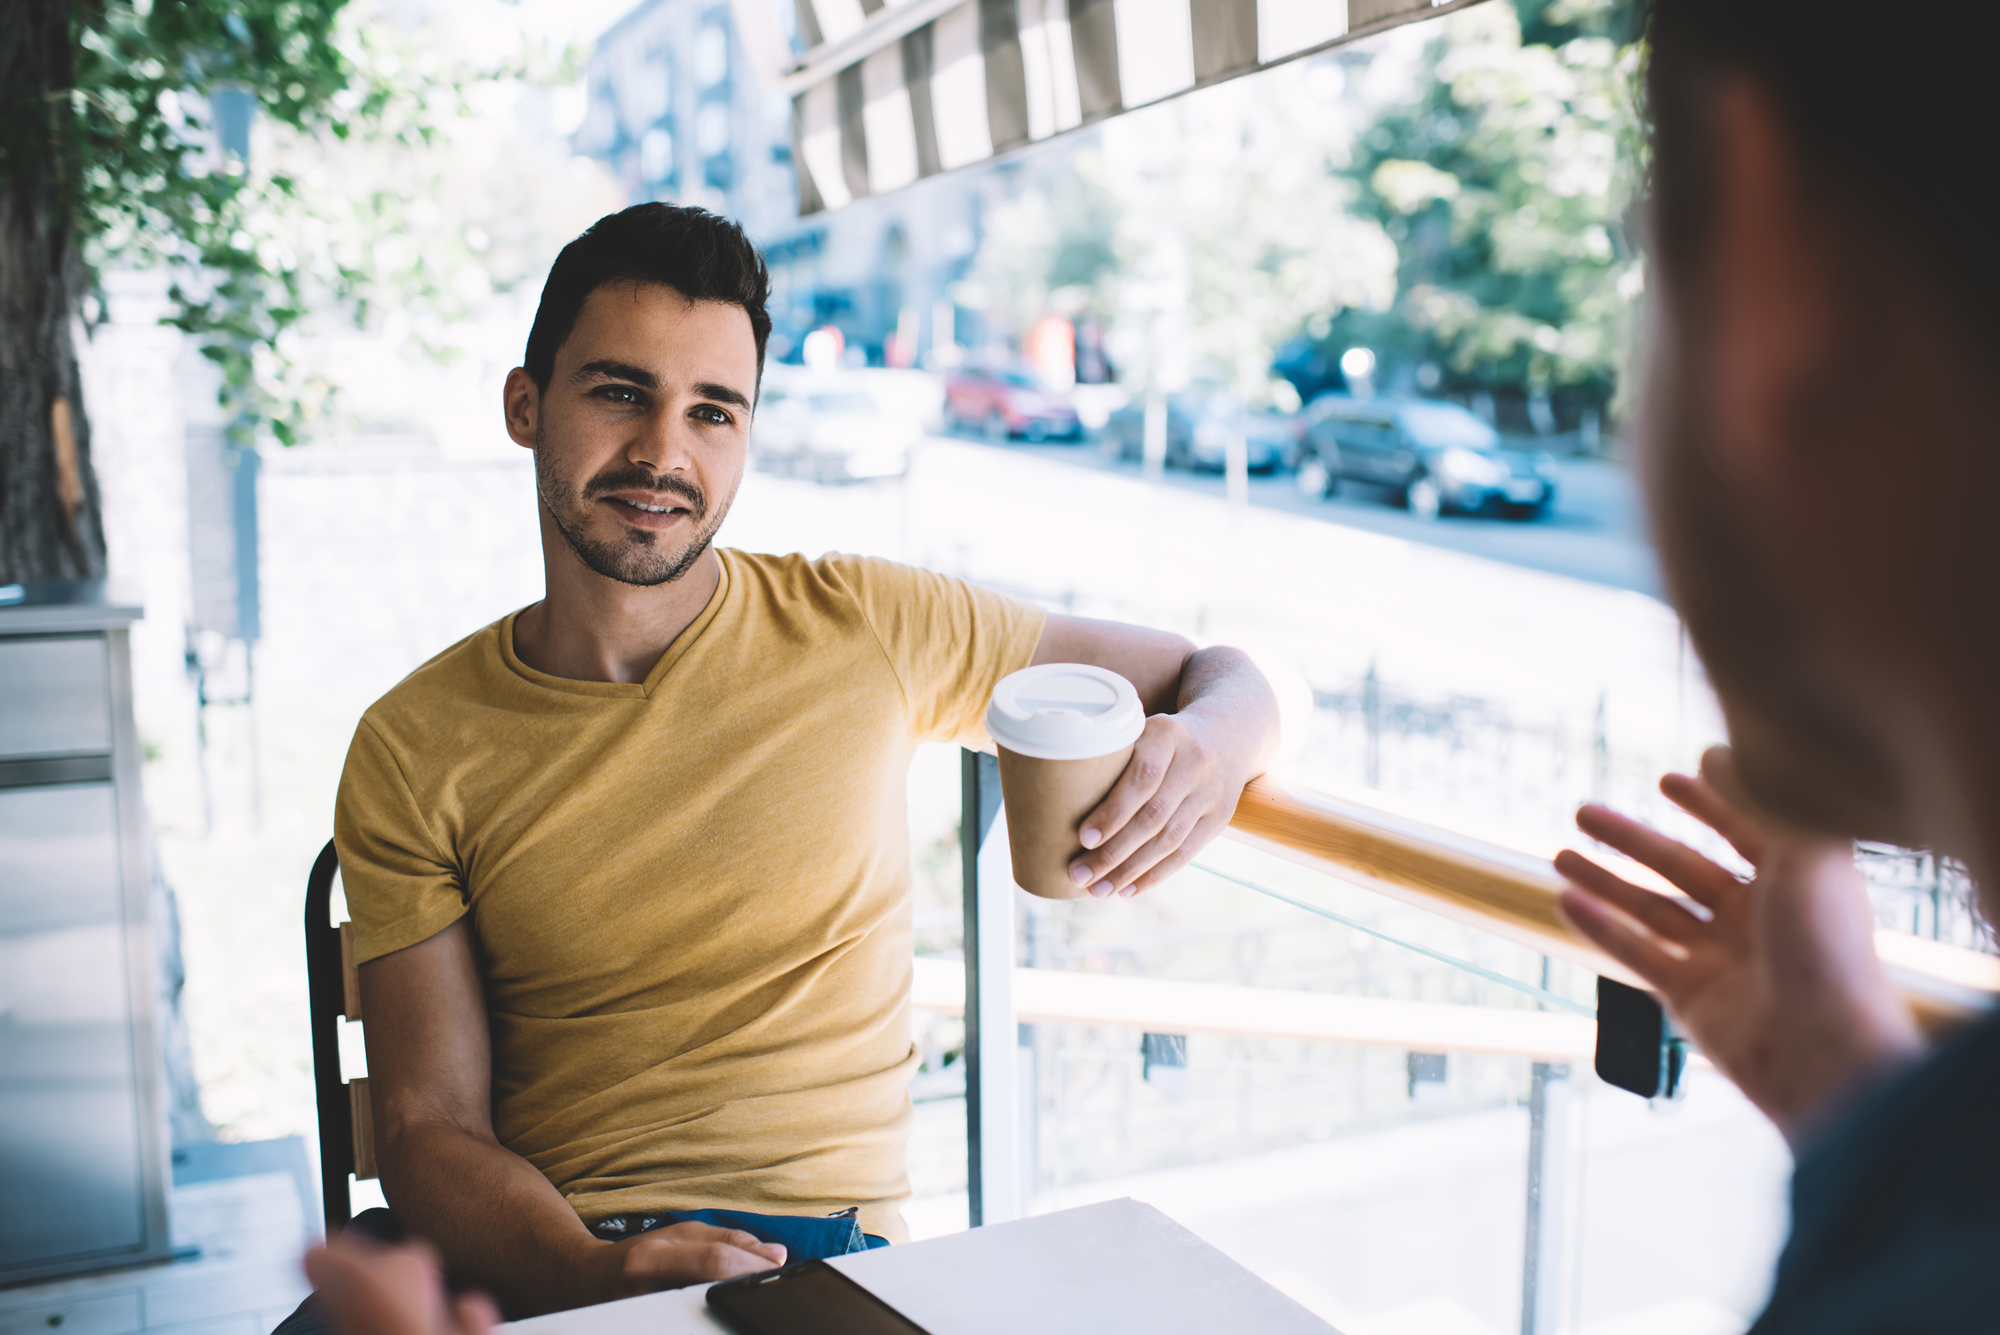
(1065, 711)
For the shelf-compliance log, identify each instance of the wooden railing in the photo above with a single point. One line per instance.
(1167, 1006)
(1498, 890)
(1513, 895)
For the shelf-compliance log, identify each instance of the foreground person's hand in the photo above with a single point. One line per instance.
(1176, 795)
(371, 1289)
(679, 1255)
(1779, 985)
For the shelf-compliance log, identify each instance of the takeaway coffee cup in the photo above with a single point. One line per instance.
(1064, 732)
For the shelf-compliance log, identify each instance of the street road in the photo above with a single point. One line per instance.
(1597, 532)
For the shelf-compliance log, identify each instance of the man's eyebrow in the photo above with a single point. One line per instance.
(610, 370)
(615, 370)
(708, 389)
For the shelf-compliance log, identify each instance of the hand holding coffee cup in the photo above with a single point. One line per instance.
(1065, 733)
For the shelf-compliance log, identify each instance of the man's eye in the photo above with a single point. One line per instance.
(619, 394)
(709, 413)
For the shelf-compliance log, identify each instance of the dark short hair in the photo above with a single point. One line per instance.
(698, 254)
(1889, 108)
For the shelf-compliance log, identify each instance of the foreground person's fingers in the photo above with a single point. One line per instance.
(1706, 803)
(1781, 988)
(1658, 935)
(1658, 914)
(1704, 881)
(474, 1314)
(371, 1289)
(1640, 953)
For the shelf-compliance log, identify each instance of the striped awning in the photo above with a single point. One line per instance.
(889, 93)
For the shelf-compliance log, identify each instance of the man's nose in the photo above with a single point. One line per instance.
(665, 444)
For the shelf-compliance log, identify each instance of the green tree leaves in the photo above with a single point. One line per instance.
(1507, 181)
(270, 154)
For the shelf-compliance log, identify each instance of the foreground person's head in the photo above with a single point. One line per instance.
(637, 388)
(1820, 434)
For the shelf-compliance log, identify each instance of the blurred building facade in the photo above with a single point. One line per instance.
(680, 113)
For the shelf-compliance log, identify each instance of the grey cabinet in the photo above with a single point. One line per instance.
(83, 1145)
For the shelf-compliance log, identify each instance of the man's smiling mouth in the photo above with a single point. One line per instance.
(649, 502)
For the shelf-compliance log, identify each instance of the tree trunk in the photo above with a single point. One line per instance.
(50, 523)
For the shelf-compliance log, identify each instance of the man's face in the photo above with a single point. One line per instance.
(641, 436)
(1795, 738)
(1799, 415)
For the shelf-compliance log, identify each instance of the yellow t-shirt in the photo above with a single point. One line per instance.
(691, 897)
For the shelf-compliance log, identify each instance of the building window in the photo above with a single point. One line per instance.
(711, 129)
(656, 154)
(711, 55)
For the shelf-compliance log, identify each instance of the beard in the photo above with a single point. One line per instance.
(1793, 737)
(634, 556)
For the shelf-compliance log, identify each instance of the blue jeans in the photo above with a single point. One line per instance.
(804, 1238)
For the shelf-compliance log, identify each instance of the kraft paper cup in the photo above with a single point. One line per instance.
(1064, 732)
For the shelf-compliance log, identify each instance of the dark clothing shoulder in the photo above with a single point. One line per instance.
(1896, 1207)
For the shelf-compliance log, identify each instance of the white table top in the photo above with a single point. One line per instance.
(1120, 1265)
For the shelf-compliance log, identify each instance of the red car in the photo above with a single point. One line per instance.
(1007, 402)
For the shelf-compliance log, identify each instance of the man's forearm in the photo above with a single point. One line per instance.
(1226, 685)
(498, 1221)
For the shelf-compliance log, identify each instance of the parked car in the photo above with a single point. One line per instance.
(1008, 402)
(830, 429)
(1433, 455)
(1199, 425)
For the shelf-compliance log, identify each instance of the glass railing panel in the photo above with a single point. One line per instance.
(1383, 1187)
(1107, 1104)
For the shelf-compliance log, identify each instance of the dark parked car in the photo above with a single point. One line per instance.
(1199, 425)
(1008, 402)
(1435, 456)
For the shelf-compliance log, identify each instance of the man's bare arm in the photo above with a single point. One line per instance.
(1213, 727)
(497, 1220)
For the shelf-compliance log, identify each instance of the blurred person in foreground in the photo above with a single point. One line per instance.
(1822, 451)
(629, 868)
(368, 1288)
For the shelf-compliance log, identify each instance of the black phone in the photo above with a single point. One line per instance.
(810, 1298)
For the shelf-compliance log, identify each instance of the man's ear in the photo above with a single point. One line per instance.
(1772, 299)
(521, 405)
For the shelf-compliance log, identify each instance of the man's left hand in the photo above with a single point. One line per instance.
(1176, 794)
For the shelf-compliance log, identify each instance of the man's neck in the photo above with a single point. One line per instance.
(590, 628)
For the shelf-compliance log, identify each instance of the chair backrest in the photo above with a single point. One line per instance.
(346, 1128)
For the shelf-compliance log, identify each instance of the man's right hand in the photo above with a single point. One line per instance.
(1774, 978)
(448, 1178)
(679, 1255)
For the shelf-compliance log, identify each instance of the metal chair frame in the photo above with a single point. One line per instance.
(326, 981)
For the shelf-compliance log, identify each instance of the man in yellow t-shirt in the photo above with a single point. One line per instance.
(629, 868)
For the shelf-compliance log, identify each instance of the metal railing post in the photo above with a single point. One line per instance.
(1548, 1145)
(992, 1065)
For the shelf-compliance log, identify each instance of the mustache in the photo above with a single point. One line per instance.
(635, 478)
